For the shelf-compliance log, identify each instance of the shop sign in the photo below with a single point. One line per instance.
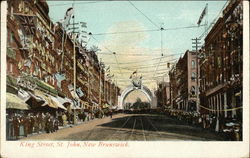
(23, 82)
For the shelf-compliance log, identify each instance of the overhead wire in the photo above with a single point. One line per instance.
(124, 32)
(153, 30)
(161, 54)
(143, 14)
(145, 63)
(81, 3)
(110, 52)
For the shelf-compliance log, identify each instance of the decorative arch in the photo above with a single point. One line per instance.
(131, 88)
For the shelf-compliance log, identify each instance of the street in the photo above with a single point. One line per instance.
(131, 127)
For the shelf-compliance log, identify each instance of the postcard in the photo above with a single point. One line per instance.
(124, 78)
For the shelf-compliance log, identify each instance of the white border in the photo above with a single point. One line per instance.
(136, 149)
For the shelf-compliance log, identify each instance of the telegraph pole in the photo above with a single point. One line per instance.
(74, 52)
(197, 43)
(100, 82)
(74, 33)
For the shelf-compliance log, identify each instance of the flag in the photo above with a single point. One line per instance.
(70, 87)
(202, 15)
(83, 24)
(79, 92)
(27, 63)
(28, 24)
(135, 72)
(108, 69)
(68, 16)
(59, 77)
(69, 12)
(168, 65)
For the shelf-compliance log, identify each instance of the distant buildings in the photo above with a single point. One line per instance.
(163, 94)
(220, 67)
(40, 61)
(183, 83)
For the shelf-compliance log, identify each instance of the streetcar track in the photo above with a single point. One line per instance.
(119, 129)
(143, 132)
(131, 134)
(156, 130)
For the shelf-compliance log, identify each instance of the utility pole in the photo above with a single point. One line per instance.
(74, 34)
(100, 82)
(74, 52)
(197, 43)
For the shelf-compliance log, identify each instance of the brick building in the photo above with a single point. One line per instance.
(183, 83)
(40, 61)
(221, 67)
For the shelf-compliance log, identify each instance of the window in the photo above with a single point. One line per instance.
(11, 68)
(193, 90)
(193, 76)
(193, 64)
(11, 37)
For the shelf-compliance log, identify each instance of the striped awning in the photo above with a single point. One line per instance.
(14, 102)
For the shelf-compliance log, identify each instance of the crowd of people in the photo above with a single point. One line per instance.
(23, 124)
(230, 128)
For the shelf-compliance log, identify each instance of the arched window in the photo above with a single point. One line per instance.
(193, 76)
(193, 90)
(193, 64)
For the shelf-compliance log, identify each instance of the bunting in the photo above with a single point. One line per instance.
(28, 24)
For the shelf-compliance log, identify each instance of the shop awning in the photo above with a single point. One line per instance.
(47, 98)
(57, 102)
(37, 98)
(14, 102)
(63, 100)
(24, 95)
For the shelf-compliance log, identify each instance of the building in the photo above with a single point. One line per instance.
(163, 94)
(221, 67)
(183, 83)
(41, 62)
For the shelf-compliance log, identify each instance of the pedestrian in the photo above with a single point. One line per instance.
(9, 127)
(36, 124)
(110, 113)
(21, 127)
(56, 124)
(47, 123)
(64, 118)
(43, 122)
(40, 120)
(26, 126)
(52, 124)
(16, 124)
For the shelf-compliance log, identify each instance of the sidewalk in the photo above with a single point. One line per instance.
(70, 129)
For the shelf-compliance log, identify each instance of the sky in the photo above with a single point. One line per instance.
(139, 51)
